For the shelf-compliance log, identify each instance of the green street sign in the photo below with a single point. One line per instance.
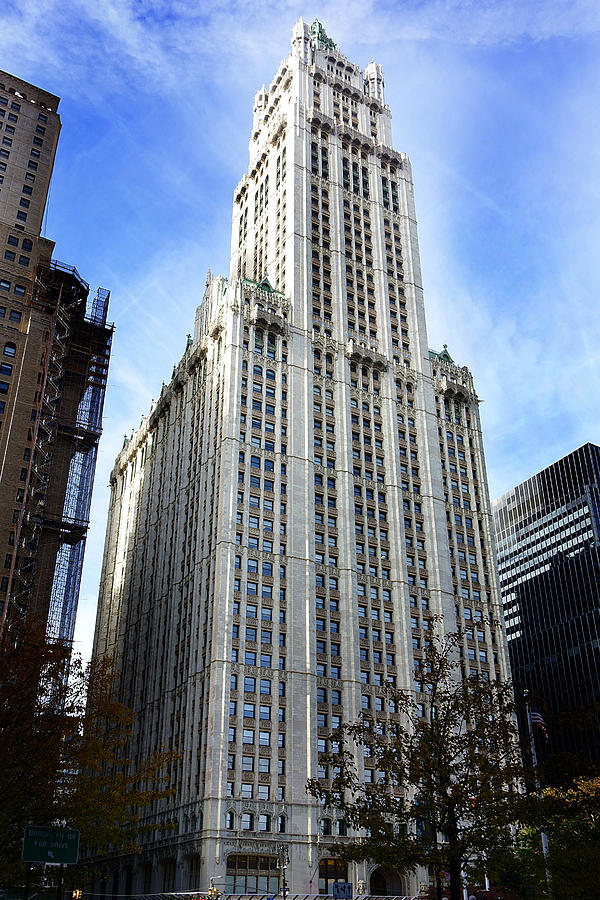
(50, 845)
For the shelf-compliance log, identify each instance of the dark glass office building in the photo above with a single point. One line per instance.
(548, 537)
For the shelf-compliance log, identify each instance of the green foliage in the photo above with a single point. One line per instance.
(63, 742)
(447, 773)
(571, 819)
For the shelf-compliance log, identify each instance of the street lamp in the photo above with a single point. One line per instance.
(284, 858)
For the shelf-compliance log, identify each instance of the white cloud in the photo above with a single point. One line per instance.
(495, 101)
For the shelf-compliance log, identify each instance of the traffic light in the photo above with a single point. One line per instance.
(76, 895)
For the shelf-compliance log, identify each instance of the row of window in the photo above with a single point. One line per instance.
(13, 240)
(252, 658)
(11, 256)
(262, 823)
(19, 290)
(252, 634)
(249, 711)
(251, 737)
(268, 505)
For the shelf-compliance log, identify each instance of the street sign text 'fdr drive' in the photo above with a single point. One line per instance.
(50, 845)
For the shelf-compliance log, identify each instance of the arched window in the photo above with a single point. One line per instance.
(257, 370)
(281, 824)
(10, 349)
(259, 341)
(271, 344)
(270, 375)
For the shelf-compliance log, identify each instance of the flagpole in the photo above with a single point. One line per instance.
(538, 788)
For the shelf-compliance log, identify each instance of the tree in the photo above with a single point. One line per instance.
(570, 816)
(446, 765)
(63, 742)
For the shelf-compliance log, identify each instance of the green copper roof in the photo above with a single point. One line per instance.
(444, 355)
(319, 36)
(264, 285)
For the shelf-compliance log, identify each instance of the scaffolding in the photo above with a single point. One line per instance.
(55, 517)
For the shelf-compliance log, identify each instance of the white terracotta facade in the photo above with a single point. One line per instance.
(308, 492)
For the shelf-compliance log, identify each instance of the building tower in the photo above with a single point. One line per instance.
(548, 533)
(54, 354)
(307, 493)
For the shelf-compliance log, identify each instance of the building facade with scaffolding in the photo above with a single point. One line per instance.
(55, 345)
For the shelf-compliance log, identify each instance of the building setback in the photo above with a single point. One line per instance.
(306, 495)
(548, 531)
(54, 355)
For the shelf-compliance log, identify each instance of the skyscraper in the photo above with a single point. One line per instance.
(307, 494)
(54, 354)
(548, 533)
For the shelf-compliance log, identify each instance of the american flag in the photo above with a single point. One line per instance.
(538, 719)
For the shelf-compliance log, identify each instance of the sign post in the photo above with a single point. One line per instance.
(53, 846)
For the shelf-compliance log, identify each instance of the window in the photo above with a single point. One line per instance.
(331, 871)
(252, 874)
(10, 349)
(247, 821)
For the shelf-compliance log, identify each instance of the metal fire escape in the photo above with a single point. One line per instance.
(65, 438)
(93, 343)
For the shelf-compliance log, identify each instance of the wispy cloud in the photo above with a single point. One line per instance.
(496, 101)
(163, 44)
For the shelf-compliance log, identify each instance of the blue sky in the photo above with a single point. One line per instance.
(496, 102)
